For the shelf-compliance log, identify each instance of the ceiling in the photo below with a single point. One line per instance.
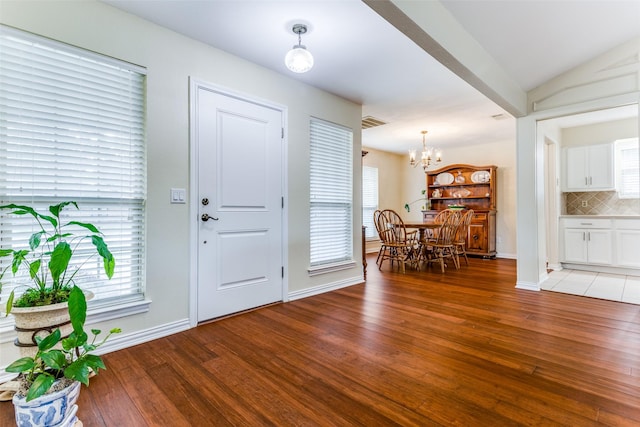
(361, 57)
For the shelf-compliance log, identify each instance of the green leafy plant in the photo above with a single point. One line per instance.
(423, 199)
(73, 360)
(48, 258)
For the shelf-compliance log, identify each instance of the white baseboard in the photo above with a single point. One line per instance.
(555, 267)
(528, 286)
(304, 293)
(506, 255)
(602, 269)
(122, 341)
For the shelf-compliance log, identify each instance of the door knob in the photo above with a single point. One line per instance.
(205, 217)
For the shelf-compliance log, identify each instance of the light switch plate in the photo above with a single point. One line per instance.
(178, 195)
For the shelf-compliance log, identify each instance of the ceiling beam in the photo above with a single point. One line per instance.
(430, 25)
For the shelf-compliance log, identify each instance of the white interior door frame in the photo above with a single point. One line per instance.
(194, 86)
(531, 224)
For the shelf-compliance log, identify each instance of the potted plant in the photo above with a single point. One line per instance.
(47, 257)
(424, 199)
(50, 380)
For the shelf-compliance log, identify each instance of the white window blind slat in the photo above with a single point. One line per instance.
(72, 128)
(331, 193)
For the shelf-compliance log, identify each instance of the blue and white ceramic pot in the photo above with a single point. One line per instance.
(57, 409)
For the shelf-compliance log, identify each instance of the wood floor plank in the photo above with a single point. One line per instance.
(417, 349)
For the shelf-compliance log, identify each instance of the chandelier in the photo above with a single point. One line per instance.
(429, 155)
(299, 59)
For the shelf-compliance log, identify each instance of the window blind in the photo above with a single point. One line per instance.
(331, 193)
(628, 167)
(369, 199)
(72, 129)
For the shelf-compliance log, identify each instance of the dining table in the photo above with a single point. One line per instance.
(423, 228)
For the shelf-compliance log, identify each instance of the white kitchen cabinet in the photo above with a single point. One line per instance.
(628, 242)
(588, 246)
(575, 247)
(588, 241)
(589, 168)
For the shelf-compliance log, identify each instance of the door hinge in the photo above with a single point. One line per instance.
(282, 133)
(282, 198)
(282, 271)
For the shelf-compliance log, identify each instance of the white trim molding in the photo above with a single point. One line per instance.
(328, 287)
(528, 286)
(122, 341)
(95, 315)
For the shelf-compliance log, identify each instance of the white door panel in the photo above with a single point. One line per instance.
(239, 147)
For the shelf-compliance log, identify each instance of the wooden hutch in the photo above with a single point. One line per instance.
(473, 187)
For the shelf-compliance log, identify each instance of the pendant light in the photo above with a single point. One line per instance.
(299, 59)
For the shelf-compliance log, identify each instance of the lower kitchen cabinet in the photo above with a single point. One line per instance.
(585, 245)
(601, 241)
(628, 242)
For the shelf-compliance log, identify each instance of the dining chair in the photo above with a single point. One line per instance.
(441, 247)
(460, 241)
(400, 245)
(380, 230)
(442, 216)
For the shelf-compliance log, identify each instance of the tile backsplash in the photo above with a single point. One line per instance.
(599, 203)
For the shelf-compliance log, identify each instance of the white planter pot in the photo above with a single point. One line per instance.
(56, 409)
(32, 322)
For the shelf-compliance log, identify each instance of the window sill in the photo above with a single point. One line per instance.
(94, 315)
(329, 268)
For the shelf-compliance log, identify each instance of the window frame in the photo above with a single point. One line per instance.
(330, 168)
(620, 145)
(38, 47)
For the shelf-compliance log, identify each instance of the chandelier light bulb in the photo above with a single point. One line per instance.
(299, 59)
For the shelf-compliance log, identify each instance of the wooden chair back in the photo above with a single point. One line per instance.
(463, 229)
(394, 230)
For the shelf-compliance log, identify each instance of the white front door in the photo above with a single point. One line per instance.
(238, 147)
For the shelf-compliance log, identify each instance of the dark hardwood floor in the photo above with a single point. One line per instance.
(423, 348)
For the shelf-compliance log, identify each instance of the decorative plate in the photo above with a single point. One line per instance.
(445, 178)
(461, 193)
(480, 176)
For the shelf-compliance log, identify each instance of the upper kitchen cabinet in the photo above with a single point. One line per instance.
(588, 168)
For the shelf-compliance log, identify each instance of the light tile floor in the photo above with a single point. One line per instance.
(614, 287)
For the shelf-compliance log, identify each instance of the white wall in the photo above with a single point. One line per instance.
(170, 60)
(389, 180)
(600, 133)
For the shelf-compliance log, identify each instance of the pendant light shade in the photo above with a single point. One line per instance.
(299, 59)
